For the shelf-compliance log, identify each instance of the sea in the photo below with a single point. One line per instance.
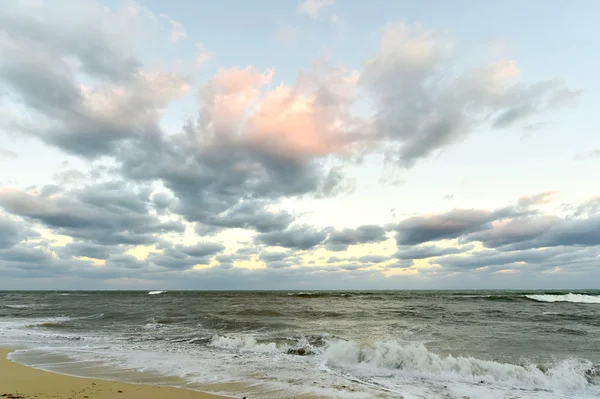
(292, 344)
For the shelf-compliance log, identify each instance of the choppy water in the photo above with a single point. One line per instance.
(471, 344)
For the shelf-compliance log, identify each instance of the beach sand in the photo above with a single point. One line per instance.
(18, 381)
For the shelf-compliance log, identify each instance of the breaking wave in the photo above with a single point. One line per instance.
(156, 292)
(379, 359)
(573, 298)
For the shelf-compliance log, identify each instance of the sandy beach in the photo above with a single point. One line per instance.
(18, 381)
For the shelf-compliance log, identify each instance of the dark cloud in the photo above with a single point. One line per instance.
(426, 251)
(226, 258)
(421, 229)
(201, 249)
(340, 240)
(252, 215)
(297, 237)
(13, 232)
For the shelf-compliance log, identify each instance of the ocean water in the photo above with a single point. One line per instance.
(383, 344)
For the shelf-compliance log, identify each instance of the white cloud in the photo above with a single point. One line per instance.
(316, 8)
(177, 30)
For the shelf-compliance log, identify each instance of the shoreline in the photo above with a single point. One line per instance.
(20, 381)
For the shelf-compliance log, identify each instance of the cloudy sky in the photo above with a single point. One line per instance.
(271, 144)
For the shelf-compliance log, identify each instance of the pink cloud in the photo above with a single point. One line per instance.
(309, 119)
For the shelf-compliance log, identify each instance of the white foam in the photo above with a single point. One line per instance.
(156, 292)
(244, 343)
(574, 298)
(401, 360)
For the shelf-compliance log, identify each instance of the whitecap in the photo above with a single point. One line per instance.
(570, 297)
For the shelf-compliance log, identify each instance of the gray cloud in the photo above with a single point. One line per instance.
(421, 229)
(201, 249)
(12, 232)
(297, 237)
(273, 256)
(107, 214)
(340, 240)
(252, 215)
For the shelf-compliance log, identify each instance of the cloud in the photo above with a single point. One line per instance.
(544, 259)
(537, 199)
(511, 238)
(88, 250)
(421, 108)
(204, 55)
(340, 240)
(541, 232)
(73, 81)
(118, 99)
(201, 249)
(425, 252)
(107, 214)
(184, 257)
(315, 8)
(266, 256)
(421, 229)
(297, 237)
(177, 29)
(252, 215)
(13, 232)
(591, 154)
(7, 155)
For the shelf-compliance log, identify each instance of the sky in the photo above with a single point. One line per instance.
(315, 144)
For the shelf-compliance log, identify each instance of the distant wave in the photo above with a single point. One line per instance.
(573, 298)
(156, 292)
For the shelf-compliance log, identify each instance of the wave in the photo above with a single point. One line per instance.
(248, 343)
(412, 360)
(17, 306)
(570, 297)
(156, 292)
